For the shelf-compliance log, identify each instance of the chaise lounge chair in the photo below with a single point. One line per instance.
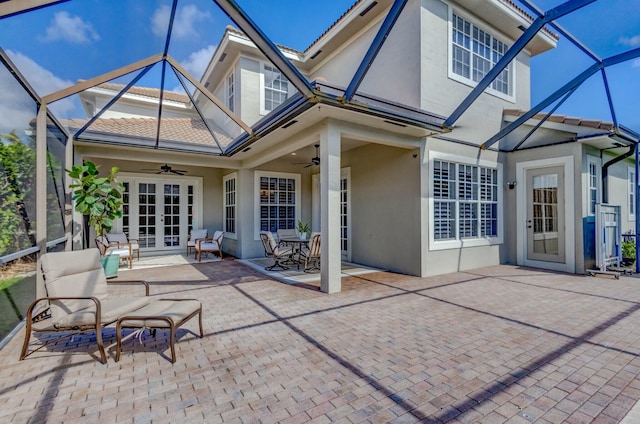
(76, 296)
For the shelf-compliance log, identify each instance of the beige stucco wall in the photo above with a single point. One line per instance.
(248, 244)
(385, 205)
(249, 83)
(618, 184)
(441, 94)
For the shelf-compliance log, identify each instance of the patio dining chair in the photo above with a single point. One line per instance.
(273, 250)
(121, 240)
(311, 254)
(76, 298)
(211, 244)
(284, 234)
(124, 250)
(194, 237)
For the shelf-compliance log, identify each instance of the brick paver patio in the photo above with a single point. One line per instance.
(500, 344)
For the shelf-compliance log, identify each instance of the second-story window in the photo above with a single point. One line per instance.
(230, 92)
(474, 52)
(276, 88)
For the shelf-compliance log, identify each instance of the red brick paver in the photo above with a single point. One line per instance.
(500, 344)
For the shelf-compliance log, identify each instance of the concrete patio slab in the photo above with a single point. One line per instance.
(499, 344)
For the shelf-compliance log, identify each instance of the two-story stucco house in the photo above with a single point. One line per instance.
(394, 188)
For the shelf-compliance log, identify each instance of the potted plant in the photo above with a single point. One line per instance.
(100, 199)
(303, 228)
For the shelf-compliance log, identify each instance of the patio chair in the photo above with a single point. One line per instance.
(76, 298)
(121, 240)
(124, 250)
(211, 244)
(311, 254)
(284, 234)
(193, 239)
(273, 250)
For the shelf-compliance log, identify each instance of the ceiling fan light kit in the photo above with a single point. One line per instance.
(167, 169)
(315, 161)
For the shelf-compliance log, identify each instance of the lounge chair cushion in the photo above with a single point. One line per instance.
(196, 235)
(117, 238)
(111, 310)
(73, 274)
(176, 310)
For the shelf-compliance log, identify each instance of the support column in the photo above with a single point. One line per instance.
(330, 264)
(41, 188)
(68, 206)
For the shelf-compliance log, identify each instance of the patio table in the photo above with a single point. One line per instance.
(297, 244)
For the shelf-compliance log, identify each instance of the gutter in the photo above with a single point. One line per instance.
(605, 168)
(395, 113)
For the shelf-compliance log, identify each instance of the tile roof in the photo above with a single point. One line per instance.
(564, 119)
(186, 130)
(147, 92)
(507, 3)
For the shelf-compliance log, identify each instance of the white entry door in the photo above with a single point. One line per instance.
(160, 213)
(545, 230)
(545, 214)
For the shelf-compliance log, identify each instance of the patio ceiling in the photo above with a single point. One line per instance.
(162, 71)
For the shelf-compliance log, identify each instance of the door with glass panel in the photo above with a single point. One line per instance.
(158, 213)
(545, 226)
(345, 210)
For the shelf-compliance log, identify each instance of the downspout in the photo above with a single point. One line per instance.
(605, 171)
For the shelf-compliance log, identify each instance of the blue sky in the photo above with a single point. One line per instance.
(56, 46)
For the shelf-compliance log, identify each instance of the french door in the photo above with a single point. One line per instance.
(345, 210)
(160, 213)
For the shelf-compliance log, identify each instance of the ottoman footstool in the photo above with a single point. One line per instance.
(161, 313)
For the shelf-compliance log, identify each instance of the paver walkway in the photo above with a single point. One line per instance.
(499, 344)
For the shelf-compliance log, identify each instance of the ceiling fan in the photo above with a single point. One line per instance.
(167, 169)
(315, 161)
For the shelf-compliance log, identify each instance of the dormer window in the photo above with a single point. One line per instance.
(276, 88)
(231, 92)
(473, 53)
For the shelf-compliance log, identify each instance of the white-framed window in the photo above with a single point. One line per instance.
(231, 92)
(274, 90)
(277, 201)
(473, 52)
(466, 202)
(593, 183)
(230, 203)
(631, 173)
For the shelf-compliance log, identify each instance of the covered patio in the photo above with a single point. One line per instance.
(491, 345)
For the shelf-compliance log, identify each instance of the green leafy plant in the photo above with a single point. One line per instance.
(303, 227)
(99, 198)
(629, 249)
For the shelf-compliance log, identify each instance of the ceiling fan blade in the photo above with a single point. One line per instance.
(177, 172)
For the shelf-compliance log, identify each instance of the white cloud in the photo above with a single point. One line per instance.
(198, 61)
(17, 108)
(41, 79)
(184, 24)
(70, 28)
(630, 41)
